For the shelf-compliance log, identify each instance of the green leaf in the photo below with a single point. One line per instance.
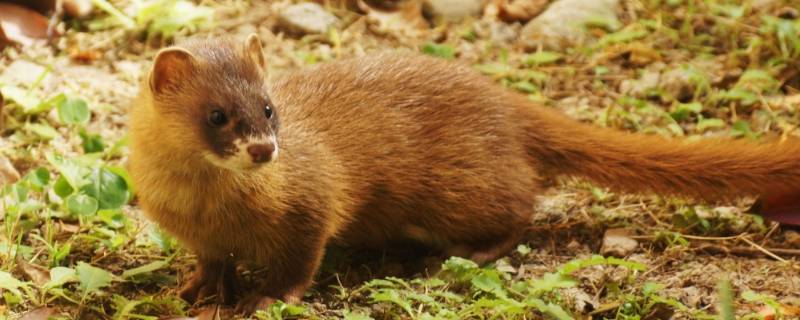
(74, 173)
(62, 187)
(279, 309)
(38, 179)
(550, 282)
(148, 268)
(91, 142)
(549, 308)
(110, 190)
(439, 50)
(126, 21)
(489, 281)
(494, 69)
(163, 240)
(59, 276)
(44, 131)
(349, 315)
(165, 18)
(81, 204)
(725, 293)
(91, 278)
(462, 269)
(21, 97)
(743, 96)
(8, 282)
(704, 124)
(542, 57)
(741, 128)
(683, 110)
(74, 111)
(392, 296)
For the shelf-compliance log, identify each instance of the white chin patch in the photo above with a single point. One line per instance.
(242, 159)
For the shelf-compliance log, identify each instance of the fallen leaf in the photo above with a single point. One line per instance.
(637, 54)
(519, 10)
(8, 174)
(22, 25)
(42, 313)
(85, 56)
(37, 274)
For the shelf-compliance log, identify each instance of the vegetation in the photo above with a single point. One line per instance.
(74, 244)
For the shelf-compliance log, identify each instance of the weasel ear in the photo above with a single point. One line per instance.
(171, 67)
(253, 48)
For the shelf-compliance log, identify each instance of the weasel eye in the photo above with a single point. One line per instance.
(217, 118)
(268, 112)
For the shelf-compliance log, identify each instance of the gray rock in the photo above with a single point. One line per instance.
(638, 87)
(453, 9)
(562, 24)
(617, 243)
(306, 18)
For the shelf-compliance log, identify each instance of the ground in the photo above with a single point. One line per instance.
(75, 244)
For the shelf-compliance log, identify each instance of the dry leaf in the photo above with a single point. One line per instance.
(36, 273)
(636, 54)
(519, 10)
(42, 313)
(22, 25)
(8, 174)
(406, 19)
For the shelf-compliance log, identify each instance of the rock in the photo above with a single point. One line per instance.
(562, 24)
(453, 9)
(8, 174)
(502, 32)
(22, 72)
(78, 8)
(639, 87)
(306, 18)
(617, 243)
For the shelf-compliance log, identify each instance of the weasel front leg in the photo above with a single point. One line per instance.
(288, 277)
(211, 277)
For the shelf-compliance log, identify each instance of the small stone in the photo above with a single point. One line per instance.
(78, 8)
(22, 72)
(563, 23)
(639, 87)
(8, 174)
(502, 32)
(617, 243)
(306, 18)
(453, 9)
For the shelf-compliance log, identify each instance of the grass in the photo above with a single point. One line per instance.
(75, 245)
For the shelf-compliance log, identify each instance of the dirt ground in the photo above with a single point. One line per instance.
(699, 51)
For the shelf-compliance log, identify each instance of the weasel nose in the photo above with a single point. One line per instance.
(261, 152)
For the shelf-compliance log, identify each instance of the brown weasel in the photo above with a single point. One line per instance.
(380, 149)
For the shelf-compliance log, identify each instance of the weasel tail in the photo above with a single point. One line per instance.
(708, 169)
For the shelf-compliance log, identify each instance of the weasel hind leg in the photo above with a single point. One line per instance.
(483, 253)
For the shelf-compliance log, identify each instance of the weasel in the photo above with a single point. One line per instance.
(377, 150)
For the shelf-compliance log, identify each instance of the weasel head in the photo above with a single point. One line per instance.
(212, 101)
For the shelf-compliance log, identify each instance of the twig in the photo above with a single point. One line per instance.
(765, 251)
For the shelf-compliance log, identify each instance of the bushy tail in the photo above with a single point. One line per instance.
(709, 169)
